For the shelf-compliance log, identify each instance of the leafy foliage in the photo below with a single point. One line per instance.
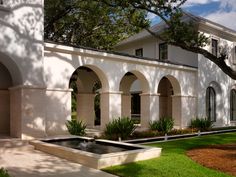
(177, 29)
(202, 124)
(89, 23)
(4, 173)
(120, 127)
(164, 124)
(76, 127)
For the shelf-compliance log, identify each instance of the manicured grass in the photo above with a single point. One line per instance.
(173, 161)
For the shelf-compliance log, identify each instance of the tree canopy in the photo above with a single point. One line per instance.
(102, 23)
(89, 23)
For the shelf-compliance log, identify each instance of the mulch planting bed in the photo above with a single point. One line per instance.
(219, 157)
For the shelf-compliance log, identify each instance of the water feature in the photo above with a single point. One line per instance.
(95, 153)
(91, 145)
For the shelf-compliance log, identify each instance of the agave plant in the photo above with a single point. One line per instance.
(121, 127)
(76, 127)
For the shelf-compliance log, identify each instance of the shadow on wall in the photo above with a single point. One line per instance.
(21, 52)
(211, 76)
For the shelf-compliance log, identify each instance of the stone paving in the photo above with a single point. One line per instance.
(21, 160)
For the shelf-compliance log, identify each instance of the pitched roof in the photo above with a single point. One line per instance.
(187, 17)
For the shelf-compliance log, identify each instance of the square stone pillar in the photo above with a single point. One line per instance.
(110, 107)
(177, 111)
(85, 108)
(189, 109)
(58, 111)
(149, 109)
(27, 112)
(126, 105)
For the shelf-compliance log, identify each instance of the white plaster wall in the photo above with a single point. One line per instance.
(148, 46)
(178, 55)
(210, 73)
(21, 36)
(58, 111)
(110, 69)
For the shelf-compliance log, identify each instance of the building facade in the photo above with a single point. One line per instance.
(35, 93)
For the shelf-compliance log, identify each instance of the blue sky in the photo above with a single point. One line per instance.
(219, 11)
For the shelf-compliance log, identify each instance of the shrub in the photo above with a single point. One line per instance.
(120, 127)
(4, 173)
(165, 124)
(202, 124)
(146, 134)
(76, 127)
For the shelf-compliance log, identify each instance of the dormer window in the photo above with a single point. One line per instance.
(163, 51)
(214, 47)
(139, 52)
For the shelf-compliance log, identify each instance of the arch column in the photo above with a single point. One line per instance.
(110, 106)
(126, 105)
(149, 108)
(177, 110)
(85, 108)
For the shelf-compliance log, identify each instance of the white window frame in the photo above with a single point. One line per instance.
(139, 49)
(217, 47)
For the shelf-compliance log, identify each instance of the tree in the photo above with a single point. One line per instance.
(89, 23)
(177, 32)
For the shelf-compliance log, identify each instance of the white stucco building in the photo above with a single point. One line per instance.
(35, 98)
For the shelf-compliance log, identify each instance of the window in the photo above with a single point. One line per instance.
(163, 51)
(139, 52)
(233, 105)
(214, 47)
(211, 104)
(1, 2)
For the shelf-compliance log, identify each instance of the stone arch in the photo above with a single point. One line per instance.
(13, 69)
(169, 91)
(218, 101)
(10, 76)
(99, 74)
(88, 78)
(131, 102)
(175, 84)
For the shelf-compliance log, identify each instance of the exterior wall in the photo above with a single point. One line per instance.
(150, 48)
(210, 75)
(179, 55)
(58, 110)
(21, 36)
(149, 73)
(148, 45)
(21, 53)
(34, 77)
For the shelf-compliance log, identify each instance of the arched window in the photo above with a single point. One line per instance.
(233, 105)
(211, 104)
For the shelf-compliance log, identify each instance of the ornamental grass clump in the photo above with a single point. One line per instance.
(76, 127)
(4, 173)
(202, 124)
(164, 124)
(121, 127)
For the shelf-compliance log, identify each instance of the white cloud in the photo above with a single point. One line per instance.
(151, 16)
(224, 18)
(199, 2)
(230, 4)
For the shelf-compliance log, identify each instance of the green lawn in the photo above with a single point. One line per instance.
(173, 161)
